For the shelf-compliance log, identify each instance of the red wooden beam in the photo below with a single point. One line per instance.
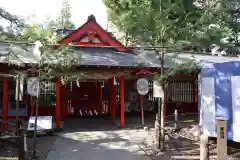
(110, 81)
(112, 98)
(114, 101)
(89, 44)
(58, 103)
(5, 106)
(144, 72)
(66, 101)
(62, 101)
(122, 120)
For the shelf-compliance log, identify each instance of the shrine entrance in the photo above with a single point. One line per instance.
(87, 99)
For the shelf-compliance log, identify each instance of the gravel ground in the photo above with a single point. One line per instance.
(43, 145)
(183, 144)
(176, 147)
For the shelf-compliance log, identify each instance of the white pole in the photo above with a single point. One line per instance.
(221, 138)
(204, 150)
(175, 119)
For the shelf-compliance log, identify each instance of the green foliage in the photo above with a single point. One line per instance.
(55, 61)
(64, 18)
(41, 32)
(179, 24)
(166, 23)
(155, 22)
(229, 12)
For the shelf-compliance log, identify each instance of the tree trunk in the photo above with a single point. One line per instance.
(163, 103)
(159, 122)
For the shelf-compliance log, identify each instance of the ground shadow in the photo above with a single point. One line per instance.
(94, 138)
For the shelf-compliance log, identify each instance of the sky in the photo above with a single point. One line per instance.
(38, 10)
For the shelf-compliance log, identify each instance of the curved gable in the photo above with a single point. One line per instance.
(92, 34)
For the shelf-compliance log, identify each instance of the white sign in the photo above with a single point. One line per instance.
(222, 138)
(142, 86)
(157, 90)
(32, 85)
(43, 123)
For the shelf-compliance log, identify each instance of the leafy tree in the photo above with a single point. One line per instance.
(178, 24)
(11, 18)
(164, 23)
(229, 13)
(53, 63)
(64, 18)
(56, 62)
(16, 24)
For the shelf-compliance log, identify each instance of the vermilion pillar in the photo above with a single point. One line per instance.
(122, 120)
(62, 102)
(112, 98)
(66, 101)
(58, 103)
(5, 105)
(114, 101)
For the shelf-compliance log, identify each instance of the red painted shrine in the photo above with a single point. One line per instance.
(107, 86)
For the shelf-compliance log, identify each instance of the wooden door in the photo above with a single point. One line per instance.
(86, 99)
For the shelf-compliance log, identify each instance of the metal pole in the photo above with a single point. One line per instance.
(36, 115)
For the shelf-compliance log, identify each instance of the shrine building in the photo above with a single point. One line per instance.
(109, 71)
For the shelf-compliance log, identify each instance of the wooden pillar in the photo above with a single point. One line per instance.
(5, 106)
(62, 102)
(110, 81)
(101, 95)
(70, 94)
(66, 101)
(58, 103)
(112, 98)
(122, 120)
(114, 101)
(165, 106)
(196, 91)
(32, 105)
(193, 91)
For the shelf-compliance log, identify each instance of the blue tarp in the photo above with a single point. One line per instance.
(219, 96)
